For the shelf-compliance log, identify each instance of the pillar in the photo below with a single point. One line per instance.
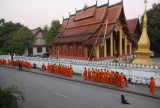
(105, 48)
(120, 42)
(114, 46)
(97, 51)
(125, 45)
(130, 48)
(86, 51)
(111, 44)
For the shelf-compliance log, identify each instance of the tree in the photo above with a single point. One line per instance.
(6, 29)
(153, 22)
(2, 21)
(20, 41)
(9, 97)
(53, 31)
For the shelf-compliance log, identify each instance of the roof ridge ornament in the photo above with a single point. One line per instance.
(69, 14)
(96, 2)
(145, 1)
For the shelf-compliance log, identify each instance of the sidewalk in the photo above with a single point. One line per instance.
(138, 89)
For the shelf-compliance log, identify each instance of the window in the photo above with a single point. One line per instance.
(64, 50)
(80, 51)
(47, 49)
(39, 49)
(71, 51)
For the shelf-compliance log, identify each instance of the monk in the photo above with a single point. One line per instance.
(59, 66)
(43, 67)
(55, 69)
(61, 70)
(0, 61)
(111, 78)
(23, 65)
(71, 72)
(48, 67)
(4, 61)
(122, 80)
(11, 62)
(30, 66)
(105, 76)
(152, 85)
(8, 62)
(93, 74)
(119, 80)
(96, 75)
(89, 74)
(51, 68)
(108, 76)
(65, 71)
(115, 78)
(68, 72)
(85, 74)
(101, 76)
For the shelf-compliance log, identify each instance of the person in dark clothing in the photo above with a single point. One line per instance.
(20, 66)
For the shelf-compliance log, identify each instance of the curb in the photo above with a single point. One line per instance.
(86, 82)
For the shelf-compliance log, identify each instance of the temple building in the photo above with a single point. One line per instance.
(40, 46)
(96, 33)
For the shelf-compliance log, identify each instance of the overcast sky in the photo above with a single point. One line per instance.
(38, 13)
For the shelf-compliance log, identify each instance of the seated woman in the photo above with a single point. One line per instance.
(130, 83)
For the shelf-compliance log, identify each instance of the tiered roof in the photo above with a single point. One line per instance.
(87, 26)
(134, 29)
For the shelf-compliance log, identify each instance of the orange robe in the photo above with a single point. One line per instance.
(119, 80)
(96, 75)
(43, 67)
(51, 68)
(101, 76)
(111, 78)
(11, 62)
(61, 70)
(55, 69)
(8, 62)
(108, 76)
(85, 74)
(30, 66)
(59, 66)
(105, 76)
(0, 61)
(152, 86)
(114, 78)
(93, 75)
(122, 81)
(71, 72)
(89, 75)
(4, 61)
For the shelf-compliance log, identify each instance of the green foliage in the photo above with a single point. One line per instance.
(6, 28)
(20, 40)
(49, 34)
(153, 20)
(9, 97)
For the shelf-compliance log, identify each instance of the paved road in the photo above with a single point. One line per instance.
(46, 92)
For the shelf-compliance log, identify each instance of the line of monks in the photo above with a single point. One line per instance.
(16, 63)
(94, 75)
(60, 69)
(104, 77)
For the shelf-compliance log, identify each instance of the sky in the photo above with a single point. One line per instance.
(38, 13)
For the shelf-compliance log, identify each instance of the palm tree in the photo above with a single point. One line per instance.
(9, 97)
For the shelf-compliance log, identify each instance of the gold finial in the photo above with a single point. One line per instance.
(145, 1)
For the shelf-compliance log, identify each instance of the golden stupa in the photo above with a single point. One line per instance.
(143, 53)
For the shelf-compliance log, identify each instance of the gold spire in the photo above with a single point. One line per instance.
(143, 53)
(144, 43)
